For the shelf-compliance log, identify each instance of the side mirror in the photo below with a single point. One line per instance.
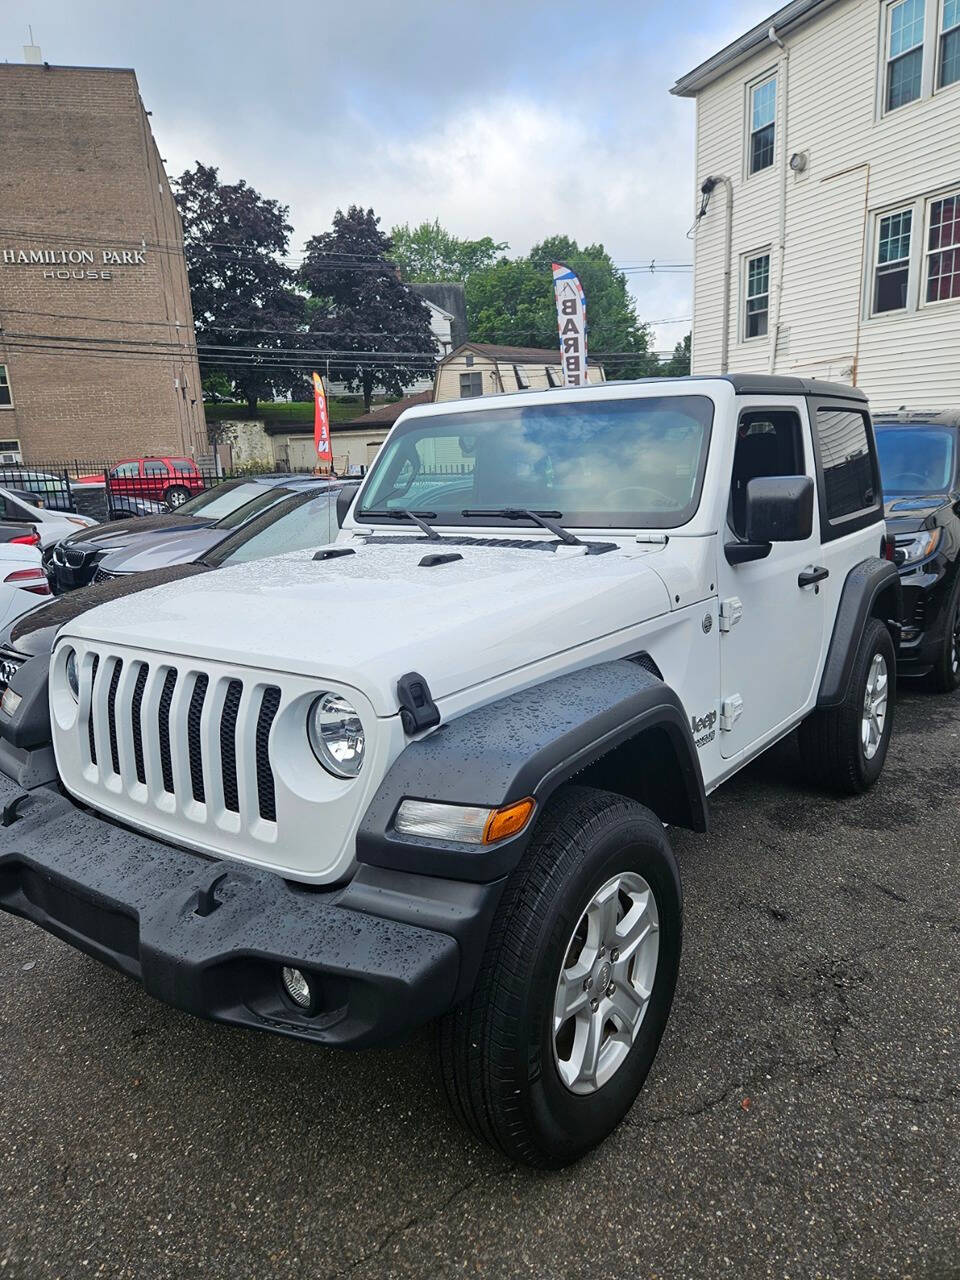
(779, 509)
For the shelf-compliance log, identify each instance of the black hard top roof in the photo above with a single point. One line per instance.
(757, 384)
(775, 384)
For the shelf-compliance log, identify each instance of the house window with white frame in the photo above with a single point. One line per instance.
(949, 60)
(905, 30)
(943, 249)
(756, 296)
(471, 385)
(763, 115)
(892, 268)
(6, 397)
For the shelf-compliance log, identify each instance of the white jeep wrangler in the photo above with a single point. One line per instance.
(425, 772)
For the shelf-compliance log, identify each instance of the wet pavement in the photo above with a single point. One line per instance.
(802, 1118)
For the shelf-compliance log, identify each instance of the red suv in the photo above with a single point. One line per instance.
(169, 480)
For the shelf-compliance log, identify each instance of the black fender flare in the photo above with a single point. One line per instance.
(860, 599)
(527, 744)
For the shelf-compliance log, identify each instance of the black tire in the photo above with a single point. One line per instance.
(831, 747)
(176, 496)
(945, 674)
(497, 1050)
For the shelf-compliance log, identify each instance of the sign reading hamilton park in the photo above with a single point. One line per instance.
(74, 264)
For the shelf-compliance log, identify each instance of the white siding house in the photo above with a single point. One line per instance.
(829, 243)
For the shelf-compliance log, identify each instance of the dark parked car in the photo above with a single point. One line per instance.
(74, 561)
(920, 468)
(120, 506)
(306, 518)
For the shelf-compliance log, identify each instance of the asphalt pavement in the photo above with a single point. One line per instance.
(802, 1118)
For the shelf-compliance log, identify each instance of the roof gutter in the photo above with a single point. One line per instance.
(785, 20)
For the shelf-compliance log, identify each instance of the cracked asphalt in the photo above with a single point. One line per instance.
(802, 1118)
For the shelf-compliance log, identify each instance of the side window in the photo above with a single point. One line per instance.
(471, 385)
(154, 468)
(905, 31)
(756, 305)
(763, 116)
(125, 469)
(769, 443)
(846, 463)
(892, 269)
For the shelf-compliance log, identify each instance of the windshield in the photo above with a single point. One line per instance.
(304, 520)
(592, 463)
(265, 498)
(916, 459)
(219, 501)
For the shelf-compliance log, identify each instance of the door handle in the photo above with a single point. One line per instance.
(813, 573)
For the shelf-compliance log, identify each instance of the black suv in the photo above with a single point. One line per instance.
(920, 466)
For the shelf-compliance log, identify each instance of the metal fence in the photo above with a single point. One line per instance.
(114, 491)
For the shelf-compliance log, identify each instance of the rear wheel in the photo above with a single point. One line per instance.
(844, 748)
(176, 495)
(945, 675)
(551, 1048)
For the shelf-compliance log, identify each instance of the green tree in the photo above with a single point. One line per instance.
(512, 302)
(678, 366)
(244, 301)
(428, 252)
(378, 329)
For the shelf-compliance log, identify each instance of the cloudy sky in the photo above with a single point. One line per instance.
(510, 118)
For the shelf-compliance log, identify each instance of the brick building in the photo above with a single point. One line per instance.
(97, 348)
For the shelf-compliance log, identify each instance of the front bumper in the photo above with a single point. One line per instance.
(925, 614)
(385, 953)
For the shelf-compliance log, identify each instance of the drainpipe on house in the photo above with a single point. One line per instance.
(783, 81)
(706, 190)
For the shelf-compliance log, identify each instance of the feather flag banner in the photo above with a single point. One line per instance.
(572, 324)
(321, 422)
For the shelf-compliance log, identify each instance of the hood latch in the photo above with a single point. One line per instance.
(418, 711)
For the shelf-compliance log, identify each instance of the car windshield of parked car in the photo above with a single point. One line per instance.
(303, 520)
(265, 499)
(605, 463)
(916, 459)
(221, 500)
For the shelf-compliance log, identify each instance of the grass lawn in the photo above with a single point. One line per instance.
(289, 412)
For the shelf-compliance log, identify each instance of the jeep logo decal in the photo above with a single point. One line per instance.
(702, 728)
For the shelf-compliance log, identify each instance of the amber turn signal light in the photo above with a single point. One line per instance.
(508, 820)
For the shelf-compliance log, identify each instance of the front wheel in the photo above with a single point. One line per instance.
(945, 676)
(176, 495)
(844, 748)
(552, 1046)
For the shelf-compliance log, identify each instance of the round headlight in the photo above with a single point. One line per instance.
(73, 675)
(336, 735)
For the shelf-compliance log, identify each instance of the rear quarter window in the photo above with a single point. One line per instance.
(849, 493)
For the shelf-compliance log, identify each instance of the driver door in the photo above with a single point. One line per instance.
(773, 630)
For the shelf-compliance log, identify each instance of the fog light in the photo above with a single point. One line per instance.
(297, 987)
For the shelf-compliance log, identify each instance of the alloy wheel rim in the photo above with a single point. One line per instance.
(875, 700)
(605, 983)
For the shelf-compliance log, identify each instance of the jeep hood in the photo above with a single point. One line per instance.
(367, 618)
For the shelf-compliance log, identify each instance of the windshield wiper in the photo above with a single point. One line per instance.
(400, 513)
(546, 520)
